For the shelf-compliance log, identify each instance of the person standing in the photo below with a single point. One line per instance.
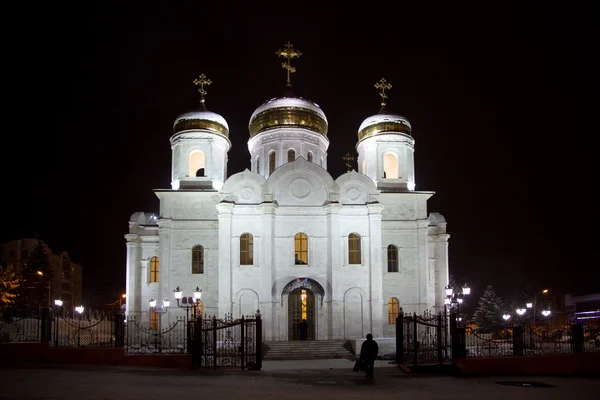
(368, 354)
(303, 327)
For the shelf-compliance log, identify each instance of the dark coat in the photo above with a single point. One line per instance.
(369, 350)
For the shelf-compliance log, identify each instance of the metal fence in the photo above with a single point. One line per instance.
(519, 340)
(430, 338)
(92, 329)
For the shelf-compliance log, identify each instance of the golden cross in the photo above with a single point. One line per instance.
(201, 81)
(348, 158)
(383, 85)
(288, 53)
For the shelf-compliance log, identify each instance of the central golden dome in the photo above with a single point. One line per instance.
(282, 112)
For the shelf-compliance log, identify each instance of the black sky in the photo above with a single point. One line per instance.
(492, 93)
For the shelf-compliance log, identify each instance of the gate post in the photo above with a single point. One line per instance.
(119, 331)
(45, 329)
(518, 340)
(258, 341)
(242, 344)
(438, 334)
(214, 343)
(400, 338)
(458, 338)
(415, 341)
(577, 338)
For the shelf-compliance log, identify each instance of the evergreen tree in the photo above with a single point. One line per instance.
(9, 283)
(488, 315)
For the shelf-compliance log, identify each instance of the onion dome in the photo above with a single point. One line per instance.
(384, 122)
(282, 112)
(202, 118)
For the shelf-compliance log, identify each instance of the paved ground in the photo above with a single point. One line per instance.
(315, 380)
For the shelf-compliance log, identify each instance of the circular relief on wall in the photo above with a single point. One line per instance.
(353, 193)
(198, 208)
(300, 188)
(246, 192)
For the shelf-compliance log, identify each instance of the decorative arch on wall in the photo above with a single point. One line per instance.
(197, 163)
(305, 283)
(247, 302)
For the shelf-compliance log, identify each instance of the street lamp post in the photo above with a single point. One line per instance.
(57, 304)
(455, 298)
(187, 303)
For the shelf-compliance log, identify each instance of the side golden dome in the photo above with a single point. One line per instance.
(384, 123)
(290, 112)
(202, 120)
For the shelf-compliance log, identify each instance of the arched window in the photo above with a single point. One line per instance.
(196, 163)
(300, 249)
(392, 258)
(246, 244)
(258, 165)
(309, 156)
(154, 268)
(353, 248)
(393, 310)
(291, 155)
(271, 162)
(197, 259)
(390, 166)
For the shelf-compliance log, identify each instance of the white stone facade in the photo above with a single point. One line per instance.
(299, 196)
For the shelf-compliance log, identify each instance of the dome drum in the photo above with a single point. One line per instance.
(288, 117)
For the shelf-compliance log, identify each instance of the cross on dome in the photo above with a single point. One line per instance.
(383, 85)
(288, 53)
(202, 81)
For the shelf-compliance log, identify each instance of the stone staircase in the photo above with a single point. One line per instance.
(306, 350)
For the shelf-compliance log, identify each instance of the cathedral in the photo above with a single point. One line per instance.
(285, 237)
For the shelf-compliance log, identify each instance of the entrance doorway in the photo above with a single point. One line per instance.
(301, 305)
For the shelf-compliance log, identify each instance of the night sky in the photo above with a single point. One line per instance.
(491, 94)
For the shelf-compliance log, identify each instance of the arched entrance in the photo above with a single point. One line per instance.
(304, 296)
(301, 306)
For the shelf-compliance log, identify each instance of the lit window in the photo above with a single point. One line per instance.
(197, 259)
(246, 242)
(154, 269)
(291, 155)
(390, 166)
(301, 248)
(392, 253)
(196, 163)
(393, 308)
(353, 248)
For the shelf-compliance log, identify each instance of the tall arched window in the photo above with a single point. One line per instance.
(353, 248)
(271, 162)
(300, 249)
(196, 163)
(392, 257)
(393, 310)
(197, 259)
(291, 155)
(154, 269)
(309, 156)
(390, 166)
(258, 165)
(246, 244)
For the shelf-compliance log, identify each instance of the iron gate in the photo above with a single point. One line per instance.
(230, 343)
(421, 339)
